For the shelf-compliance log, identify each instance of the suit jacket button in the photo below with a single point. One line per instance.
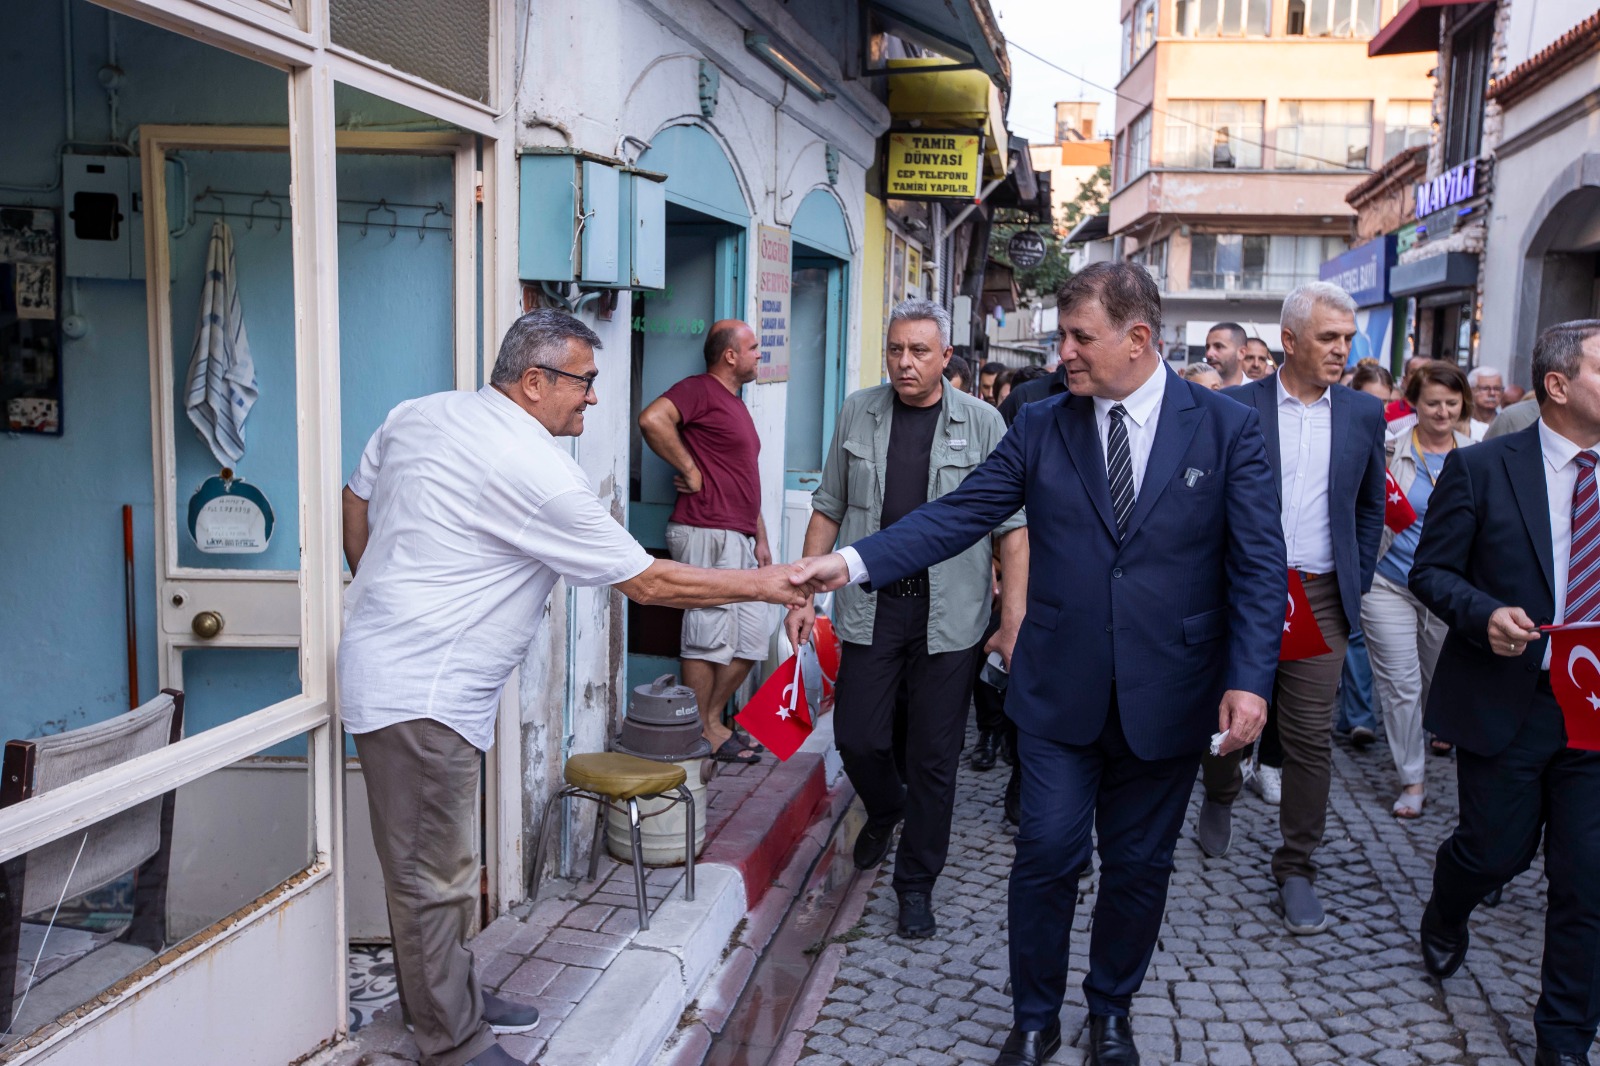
(1108, 627)
(1117, 572)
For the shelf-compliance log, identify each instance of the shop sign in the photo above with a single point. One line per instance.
(1025, 249)
(933, 165)
(1448, 189)
(229, 516)
(772, 297)
(1363, 271)
(1405, 238)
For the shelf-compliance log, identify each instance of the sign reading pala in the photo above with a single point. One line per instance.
(1025, 249)
(933, 165)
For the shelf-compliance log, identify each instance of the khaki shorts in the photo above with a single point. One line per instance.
(734, 630)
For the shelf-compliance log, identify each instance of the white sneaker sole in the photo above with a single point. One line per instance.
(498, 1030)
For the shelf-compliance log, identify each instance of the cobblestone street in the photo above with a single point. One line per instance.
(1228, 986)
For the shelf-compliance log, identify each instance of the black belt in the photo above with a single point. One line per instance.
(915, 585)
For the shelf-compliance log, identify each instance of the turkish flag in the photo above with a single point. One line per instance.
(777, 715)
(1302, 637)
(1398, 514)
(1575, 679)
(826, 639)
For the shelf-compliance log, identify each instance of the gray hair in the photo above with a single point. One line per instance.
(539, 339)
(923, 311)
(1298, 304)
(1559, 350)
(1477, 372)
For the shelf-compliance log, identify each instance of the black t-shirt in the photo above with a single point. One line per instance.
(905, 483)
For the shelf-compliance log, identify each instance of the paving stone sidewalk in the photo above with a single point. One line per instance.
(1228, 985)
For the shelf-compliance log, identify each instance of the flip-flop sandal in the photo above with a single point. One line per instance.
(732, 751)
(1408, 806)
(747, 742)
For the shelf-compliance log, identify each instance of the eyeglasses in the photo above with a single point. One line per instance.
(587, 379)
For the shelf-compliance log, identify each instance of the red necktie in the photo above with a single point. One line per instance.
(1583, 570)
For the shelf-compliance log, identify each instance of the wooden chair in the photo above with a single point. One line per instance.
(138, 839)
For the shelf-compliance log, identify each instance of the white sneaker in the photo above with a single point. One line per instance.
(1268, 784)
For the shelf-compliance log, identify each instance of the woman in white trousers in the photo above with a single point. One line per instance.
(1403, 637)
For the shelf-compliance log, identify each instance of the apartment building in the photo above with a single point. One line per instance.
(1241, 125)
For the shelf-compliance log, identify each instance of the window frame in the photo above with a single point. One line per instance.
(1286, 158)
(1468, 82)
(1176, 116)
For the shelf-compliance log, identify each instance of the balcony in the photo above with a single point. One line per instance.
(1209, 195)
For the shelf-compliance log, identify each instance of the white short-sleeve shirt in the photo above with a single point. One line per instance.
(473, 512)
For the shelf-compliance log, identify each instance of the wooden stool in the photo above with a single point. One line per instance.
(609, 778)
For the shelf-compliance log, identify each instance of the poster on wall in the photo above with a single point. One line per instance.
(772, 298)
(30, 336)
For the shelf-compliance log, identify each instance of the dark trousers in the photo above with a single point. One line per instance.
(1305, 694)
(1536, 787)
(422, 788)
(936, 714)
(1137, 806)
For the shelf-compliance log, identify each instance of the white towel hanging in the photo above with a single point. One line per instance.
(221, 386)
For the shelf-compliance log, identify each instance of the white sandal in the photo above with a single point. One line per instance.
(1409, 805)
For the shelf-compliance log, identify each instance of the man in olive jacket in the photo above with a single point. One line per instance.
(896, 447)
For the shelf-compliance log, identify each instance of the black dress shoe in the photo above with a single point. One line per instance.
(872, 844)
(1549, 1056)
(1443, 949)
(1030, 1047)
(916, 916)
(983, 754)
(1111, 1041)
(1494, 898)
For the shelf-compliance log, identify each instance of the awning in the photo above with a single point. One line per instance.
(1414, 28)
(1437, 273)
(964, 30)
(1093, 228)
(926, 93)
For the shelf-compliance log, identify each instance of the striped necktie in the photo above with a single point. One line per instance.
(1119, 469)
(1583, 571)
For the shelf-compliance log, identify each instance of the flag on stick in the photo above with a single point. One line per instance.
(1398, 514)
(777, 714)
(1302, 637)
(1575, 679)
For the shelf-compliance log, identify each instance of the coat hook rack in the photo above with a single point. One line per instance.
(272, 202)
(382, 207)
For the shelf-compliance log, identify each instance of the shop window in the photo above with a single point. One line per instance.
(1333, 18)
(447, 44)
(1133, 150)
(1470, 53)
(1324, 134)
(1222, 18)
(1406, 124)
(1212, 134)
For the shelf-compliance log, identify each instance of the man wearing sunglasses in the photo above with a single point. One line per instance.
(461, 515)
(703, 430)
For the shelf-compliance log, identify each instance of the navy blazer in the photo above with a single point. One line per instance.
(1355, 480)
(1188, 603)
(1486, 544)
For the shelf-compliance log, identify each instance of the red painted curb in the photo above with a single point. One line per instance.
(769, 822)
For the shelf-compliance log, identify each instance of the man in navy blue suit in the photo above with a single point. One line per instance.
(1325, 444)
(1155, 610)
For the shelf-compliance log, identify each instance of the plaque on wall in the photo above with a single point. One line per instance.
(30, 332)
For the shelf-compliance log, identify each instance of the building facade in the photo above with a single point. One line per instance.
(1240, 128)
(385, 190)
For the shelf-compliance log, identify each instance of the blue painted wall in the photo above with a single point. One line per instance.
(62, 647)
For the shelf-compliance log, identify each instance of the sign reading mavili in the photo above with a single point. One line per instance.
(933, 165)
(1448, 189)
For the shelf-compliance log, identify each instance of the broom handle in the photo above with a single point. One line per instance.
(127, 599)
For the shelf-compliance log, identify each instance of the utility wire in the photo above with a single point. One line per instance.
(1232, 138)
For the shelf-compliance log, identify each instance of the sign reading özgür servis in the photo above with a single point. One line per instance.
(933, 165)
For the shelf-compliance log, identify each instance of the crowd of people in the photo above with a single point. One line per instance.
(1139, 578)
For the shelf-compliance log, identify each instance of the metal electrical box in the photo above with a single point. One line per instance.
(590, 220)
(643, 246)
(103, 232)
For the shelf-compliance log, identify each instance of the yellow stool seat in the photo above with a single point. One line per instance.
(622, 777)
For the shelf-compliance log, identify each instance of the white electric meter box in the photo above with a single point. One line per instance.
(103, 231)
(961, 321)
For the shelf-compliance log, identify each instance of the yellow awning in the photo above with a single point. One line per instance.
(951, 99)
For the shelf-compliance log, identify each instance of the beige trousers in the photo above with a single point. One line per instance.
(422, 788)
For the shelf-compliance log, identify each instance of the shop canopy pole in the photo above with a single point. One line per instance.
(127, 601)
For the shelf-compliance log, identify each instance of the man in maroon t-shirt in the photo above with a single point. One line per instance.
(702, 428)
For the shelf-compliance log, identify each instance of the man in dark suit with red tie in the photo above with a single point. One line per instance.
(1155, 594)
(1512, 542)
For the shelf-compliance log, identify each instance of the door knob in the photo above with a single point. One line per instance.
(206, 624)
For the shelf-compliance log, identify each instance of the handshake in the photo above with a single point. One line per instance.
(793, 584)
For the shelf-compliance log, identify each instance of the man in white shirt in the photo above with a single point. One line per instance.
(1487, 388)
(459, 518)
(1511, 543)
(1325, 442)
(1224, 348)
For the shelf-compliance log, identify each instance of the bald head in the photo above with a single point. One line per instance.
(732, 351)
